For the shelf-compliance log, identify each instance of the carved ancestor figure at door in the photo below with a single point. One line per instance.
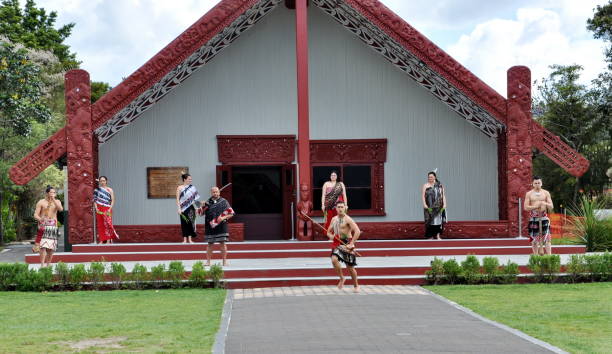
(304, 207)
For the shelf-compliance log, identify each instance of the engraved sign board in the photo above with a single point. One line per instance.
(162, 181)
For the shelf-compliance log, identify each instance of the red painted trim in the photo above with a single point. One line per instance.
(415, 230)
(40, 158)
(256, 149)
(168, 233)
(301, 54)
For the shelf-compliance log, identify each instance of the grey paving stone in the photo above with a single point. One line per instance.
(376, 323)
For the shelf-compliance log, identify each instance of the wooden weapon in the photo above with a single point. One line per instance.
(336, 237)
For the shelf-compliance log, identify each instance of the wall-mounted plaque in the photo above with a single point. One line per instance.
(162, 181)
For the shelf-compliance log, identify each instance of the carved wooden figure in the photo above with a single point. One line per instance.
(304, 225)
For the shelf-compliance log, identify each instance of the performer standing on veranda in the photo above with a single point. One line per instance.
(186, 196)
(343, 233)
(433, 196)
(537, 203)
(333, 192)
(104, 200)
(46, 215)
(217, 211)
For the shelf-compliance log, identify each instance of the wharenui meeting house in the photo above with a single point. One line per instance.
(271, 96)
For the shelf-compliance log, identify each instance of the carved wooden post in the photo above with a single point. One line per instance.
(518, 147)
(79, 146)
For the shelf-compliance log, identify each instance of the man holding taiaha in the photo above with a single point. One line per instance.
(344, 232)
(217, 211)
(46, 215)
(537, 203)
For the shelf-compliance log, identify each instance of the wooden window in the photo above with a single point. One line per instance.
(360, 166)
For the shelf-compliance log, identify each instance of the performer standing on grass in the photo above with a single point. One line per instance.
(46, 215)
(333, 192)
(537, 202)
(186, 197)
(343, 233)
(217, 211)
(433, 196)
(104, 200)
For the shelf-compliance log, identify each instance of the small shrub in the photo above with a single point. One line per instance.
(490, 265)
(117, 274)
(198, 276)
(34, 280)
(63, 274)
(158, 274)
(176, 272)
(596, 266)
(590, 230)
(78, 274)
(436, 273)
(535, 265)
(9, 273)
(139, 276)
(509, 273)
(545, 267)
(471, 269)
(95, 274)
(576, 267)
(452, 271)
(216, 274)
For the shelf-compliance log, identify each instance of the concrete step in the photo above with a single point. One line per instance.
(296, 245)
(71, 257)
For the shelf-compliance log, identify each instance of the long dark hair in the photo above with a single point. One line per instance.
(338, 179)
(184, 176)
(435, 176)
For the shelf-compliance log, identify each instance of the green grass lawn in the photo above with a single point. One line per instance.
(182, 320)
(574, 317)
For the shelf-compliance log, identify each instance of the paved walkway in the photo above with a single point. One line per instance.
(381, 319)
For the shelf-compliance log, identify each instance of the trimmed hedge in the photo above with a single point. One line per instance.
(17, 276)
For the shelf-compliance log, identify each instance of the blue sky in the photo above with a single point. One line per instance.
(114, 37)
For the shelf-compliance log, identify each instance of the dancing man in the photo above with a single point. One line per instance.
(46, 215)
(217, 211)
(537, 203)
(343, 233)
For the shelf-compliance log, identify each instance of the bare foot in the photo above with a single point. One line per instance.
(191, 242)
(356, 289)
(438, 238)
(184, 241)
(341, 283)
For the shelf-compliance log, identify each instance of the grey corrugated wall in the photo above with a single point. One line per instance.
(250, 88)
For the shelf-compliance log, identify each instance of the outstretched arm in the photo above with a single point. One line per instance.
(344, 195)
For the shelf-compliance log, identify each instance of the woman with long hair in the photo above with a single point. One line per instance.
(104, 200)
(186, 197)
(333, 192)
(433, 196)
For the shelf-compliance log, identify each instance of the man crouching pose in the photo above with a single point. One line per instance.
(343, 232)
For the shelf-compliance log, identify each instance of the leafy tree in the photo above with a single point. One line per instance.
(98, 89)
(601, 25)
(25, 121)
(572, 111)
(34, 28)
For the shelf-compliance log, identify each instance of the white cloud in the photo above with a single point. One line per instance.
(537, 38)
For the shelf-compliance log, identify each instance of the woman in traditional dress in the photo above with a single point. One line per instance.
(434, 206)
(333, 192)
(104, 200)
(186, 196)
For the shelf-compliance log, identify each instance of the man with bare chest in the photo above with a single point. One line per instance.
(537, 203)
(46, 215)
(343, 232)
